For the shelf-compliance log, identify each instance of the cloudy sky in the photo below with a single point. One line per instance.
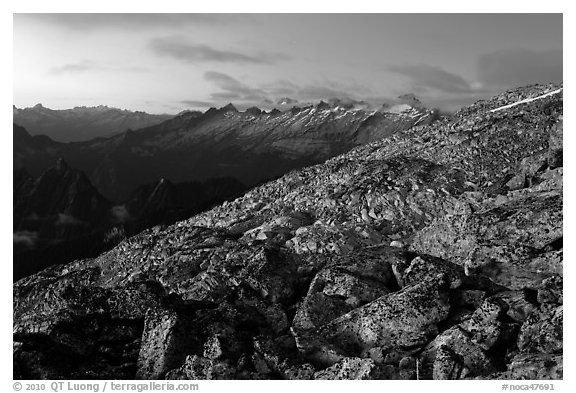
(165, 63)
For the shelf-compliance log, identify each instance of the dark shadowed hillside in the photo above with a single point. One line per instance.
(59, 216)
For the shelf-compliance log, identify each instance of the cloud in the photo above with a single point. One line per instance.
(87, 65)
(264, 96)
(120, 214)
(497, 71)
(88, 22)
(25, 238)
(226, 96)
(66, 219)
(453, 102)
(197, 103)
(518, 67)
(281, 88)
(74, 68)
(427, 77)
(317, 91)
(177, 48)
(312, 92)
(233, 88)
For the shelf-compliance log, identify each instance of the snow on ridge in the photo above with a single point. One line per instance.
(527, 100)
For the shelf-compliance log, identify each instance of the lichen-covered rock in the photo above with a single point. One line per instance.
(536, 367)
(350, 368)
(464, 353)
(555, 153)
(199, 368)
(346, 284)
(519, 304)
(401, 320)
(542, 331)
(164, 343)
(448, 365)
(551, 291)
(499, 242)
(486, 325)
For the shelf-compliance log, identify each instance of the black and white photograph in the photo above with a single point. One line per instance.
(287, 196)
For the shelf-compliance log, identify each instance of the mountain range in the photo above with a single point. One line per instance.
(432, 252)
(75, 200)
(250, 146)
(82, 123)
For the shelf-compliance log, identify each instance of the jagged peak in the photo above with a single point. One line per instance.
(410, 99)
(163, 181)
(211, 111)
(61, 165)
(229, 108)
(295, 110)
(286, 101)
(253, 110)
(188, 112)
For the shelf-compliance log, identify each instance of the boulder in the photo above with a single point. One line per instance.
(459, 352)
(536, 367)
(350, 368)
(199, 368)
(165, 343)
(448, 365)
(403, 319)
(529, 224)
(555, 149)
(542, 331)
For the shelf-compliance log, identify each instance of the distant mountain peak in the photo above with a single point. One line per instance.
(286, 101)
(211, 111)
(82, 123)
(188, 112)
(254, 111)
(411, 100)
(229, 108)
(61, 165)
(163, 181)
(295, 110)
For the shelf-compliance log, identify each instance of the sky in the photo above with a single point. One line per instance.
(166, 63)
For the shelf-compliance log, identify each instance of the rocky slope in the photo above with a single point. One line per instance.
(82, 123)
(433, 253)
(251, 146)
